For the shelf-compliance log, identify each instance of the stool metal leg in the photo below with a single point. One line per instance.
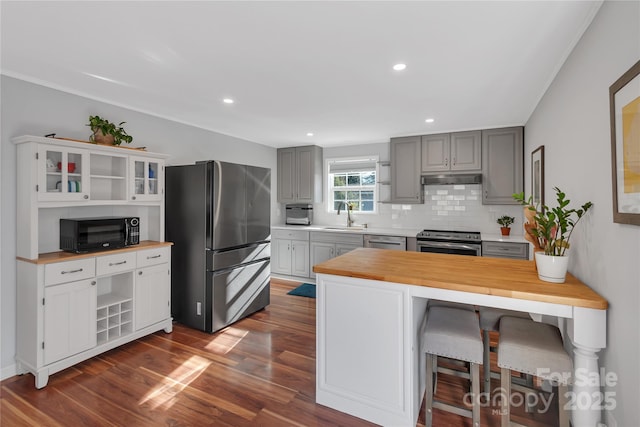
(475, 386)
(486, 361)
(428, 404)
(505, 384)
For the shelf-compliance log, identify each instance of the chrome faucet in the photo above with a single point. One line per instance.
(348, 209)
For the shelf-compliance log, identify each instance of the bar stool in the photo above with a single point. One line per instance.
(490, 322)
(527, 346)
(453, 333)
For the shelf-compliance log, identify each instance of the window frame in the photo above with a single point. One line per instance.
(330, 187)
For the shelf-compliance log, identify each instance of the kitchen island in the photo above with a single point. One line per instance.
(371, 310)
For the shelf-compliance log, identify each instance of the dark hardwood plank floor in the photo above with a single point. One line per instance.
(257, 372)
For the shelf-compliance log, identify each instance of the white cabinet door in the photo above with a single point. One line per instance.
(152, 299)
(63, 173)
(321, 252)
(281, 256)
(146, 178)
(300, 258)
(69, 319)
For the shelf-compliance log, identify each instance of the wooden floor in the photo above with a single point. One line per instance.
(257, 372)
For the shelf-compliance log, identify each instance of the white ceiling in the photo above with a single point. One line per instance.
(294, 67)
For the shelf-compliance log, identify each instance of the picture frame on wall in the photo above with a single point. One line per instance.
(537, 176)
(624, 102)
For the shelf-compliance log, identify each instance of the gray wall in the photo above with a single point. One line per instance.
(29, 109)
(572, 122)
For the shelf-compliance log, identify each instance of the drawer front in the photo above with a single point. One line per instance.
(290, 234)
(505, 250)
(153, 257)
(338, 237)
(69, 271)
(110, 264)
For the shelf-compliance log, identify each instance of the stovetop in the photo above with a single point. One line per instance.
(449, 235)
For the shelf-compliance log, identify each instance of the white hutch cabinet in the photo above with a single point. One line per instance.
(74, 306)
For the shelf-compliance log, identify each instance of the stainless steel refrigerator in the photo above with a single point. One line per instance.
(218, 217)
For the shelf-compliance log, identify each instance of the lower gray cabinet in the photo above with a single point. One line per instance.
(327, 245)
(514, 250)
(290, 253)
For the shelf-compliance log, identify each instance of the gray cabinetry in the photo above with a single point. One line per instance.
(327, 245)
(458, 151)
(290, 254)
(513, 250)
(405, 170)
(502, 165)
(300, 174)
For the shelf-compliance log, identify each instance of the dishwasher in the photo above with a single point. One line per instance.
(397, 243)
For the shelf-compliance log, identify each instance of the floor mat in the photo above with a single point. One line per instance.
(305, 290)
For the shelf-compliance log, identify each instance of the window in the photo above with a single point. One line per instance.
(352, 181)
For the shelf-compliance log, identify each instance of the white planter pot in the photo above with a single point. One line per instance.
(551, 268)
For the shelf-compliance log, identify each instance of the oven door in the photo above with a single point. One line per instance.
(453, 248)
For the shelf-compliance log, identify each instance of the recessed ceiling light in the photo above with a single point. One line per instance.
(430, 120)
(309, 133)
(228, 101)
(399, 67)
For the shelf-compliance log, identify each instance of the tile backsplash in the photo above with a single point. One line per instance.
(445, 207)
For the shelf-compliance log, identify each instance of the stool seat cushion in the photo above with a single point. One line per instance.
(454, 333)
(532, 348)
(490, 317)
(451, 304)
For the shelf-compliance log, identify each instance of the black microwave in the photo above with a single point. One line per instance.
(82, 235)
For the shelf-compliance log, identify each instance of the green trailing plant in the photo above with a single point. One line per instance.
(98, 124)
(553, 227)
(506, 220)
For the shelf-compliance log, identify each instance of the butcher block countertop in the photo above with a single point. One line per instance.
(61, 256)
(490, 276)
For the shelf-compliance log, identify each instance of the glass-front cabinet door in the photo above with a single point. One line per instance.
(63, 173)
(147, 178)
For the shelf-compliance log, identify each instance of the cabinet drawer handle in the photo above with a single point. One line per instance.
(154, 256)
(111, 264)
(93, 283)
(72, 271)
(86, 196)
(139, 273)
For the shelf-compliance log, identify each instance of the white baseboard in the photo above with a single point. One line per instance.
(8, 372)
(294, 278)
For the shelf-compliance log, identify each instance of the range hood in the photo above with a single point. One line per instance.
(452, 179)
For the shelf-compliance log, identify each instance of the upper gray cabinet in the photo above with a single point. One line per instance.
(300, 174)
(446, 152)
(502, 165)
(405, 170)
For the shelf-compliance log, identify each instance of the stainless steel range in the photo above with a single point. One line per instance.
(450, 242)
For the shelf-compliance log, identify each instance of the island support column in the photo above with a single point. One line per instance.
(587, 331)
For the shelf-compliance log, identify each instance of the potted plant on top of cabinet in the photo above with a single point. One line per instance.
(107, 133)
(552, 229)
(505, 221)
